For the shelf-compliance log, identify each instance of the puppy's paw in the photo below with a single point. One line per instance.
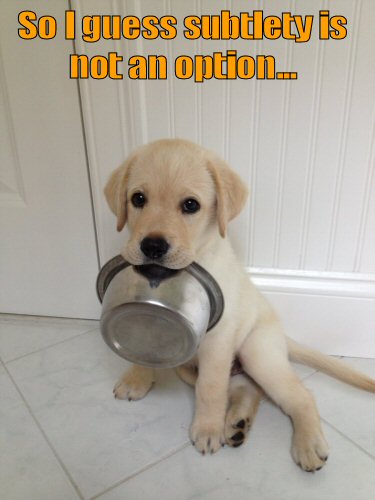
(207, 436)
(243, 406)
(131, 387)
(237, 426)
(310, 450)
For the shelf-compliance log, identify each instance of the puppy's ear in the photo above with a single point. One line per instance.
(115, 192)
(231, 192)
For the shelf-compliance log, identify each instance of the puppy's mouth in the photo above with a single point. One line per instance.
(175, 260)
(155, 273)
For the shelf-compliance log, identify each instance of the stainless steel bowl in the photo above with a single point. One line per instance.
(152, 323)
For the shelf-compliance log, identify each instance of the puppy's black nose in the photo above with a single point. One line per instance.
(154, 248)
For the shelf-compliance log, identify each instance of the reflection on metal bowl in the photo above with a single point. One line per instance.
(156, 317)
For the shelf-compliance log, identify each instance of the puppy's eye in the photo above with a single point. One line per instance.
(138, 200)
(190, 206)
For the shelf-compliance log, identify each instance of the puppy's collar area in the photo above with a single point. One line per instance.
(155, 273)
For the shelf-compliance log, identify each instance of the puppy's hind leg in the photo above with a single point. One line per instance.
(243, 403)
(188, 372)
(135, 383)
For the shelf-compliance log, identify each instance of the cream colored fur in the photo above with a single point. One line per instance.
(167, 172)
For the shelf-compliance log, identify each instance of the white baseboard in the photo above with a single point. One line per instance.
(332, 312)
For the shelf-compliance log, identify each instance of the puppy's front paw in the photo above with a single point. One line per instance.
(310, 450)
(132, 387)
(207, 436)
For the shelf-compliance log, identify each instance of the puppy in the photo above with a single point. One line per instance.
(177, 199)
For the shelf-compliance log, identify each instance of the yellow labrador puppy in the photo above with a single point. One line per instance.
(177, 199)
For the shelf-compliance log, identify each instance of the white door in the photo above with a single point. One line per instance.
(48, 255)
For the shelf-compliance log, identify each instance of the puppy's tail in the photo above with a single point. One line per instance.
(331, 366)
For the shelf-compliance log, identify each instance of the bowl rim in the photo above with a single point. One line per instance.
(215, 295)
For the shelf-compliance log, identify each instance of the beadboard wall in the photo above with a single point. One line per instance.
(304, 147)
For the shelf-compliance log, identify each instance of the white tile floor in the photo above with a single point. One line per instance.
(63, 435)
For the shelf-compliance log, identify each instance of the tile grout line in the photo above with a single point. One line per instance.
(40, 317)
(345, 436)
(304, 377)
(140, 471)
(41, 430)
(45, 348)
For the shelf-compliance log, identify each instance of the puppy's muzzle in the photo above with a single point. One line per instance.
(154, 248)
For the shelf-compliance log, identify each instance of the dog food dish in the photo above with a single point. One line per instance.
(154, 316)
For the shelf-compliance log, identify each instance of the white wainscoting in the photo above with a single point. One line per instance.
(333, 312)
(305, 148)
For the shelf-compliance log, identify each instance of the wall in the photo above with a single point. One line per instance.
(305, 148)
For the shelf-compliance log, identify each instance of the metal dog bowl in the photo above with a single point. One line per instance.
(152, 323)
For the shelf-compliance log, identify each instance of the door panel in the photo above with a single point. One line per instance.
(48, 256)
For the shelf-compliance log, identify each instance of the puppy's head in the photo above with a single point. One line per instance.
(174, 195)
